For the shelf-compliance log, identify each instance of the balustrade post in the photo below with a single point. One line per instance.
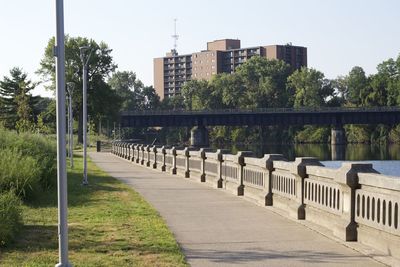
(187, 156)
(203, 165)
(173, 169)
(148, 155)
(142, 150)
(299, 171)
(241, 163)
(138, 153)
(164, 152)
(132, 148)
(129, 152)
(154, 150)
(347, 178)
(267, 194)
(220, 158)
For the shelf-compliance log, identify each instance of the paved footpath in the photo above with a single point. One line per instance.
(215, 228)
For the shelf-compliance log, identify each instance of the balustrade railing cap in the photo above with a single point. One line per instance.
(245, 154)
(223, 151)
(348, 172)
(379, 180)
(307, 161)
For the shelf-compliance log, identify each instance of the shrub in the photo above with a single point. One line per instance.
(313, 134)
(41, 149)
(10, 217)
(17, 173)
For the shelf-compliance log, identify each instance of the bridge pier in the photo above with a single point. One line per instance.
(338, 152)
(199, 136)
(338, 135)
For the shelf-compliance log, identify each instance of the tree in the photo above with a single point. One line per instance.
(311, 87)
(24, 111)
(15, 98)
(134, 95)
(102, 101)
(264, 82)
(357, 87)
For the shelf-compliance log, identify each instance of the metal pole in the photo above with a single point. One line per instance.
(59, 52)
(71, 131)
(85, 180)
(68, 136)
(114, 131)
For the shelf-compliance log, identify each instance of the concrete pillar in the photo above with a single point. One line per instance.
(173, 169)
(240, 161)
(187, 156)
(298, 169)
(268, 162)
(347, 178)
(338, 135)
(133, 152)
(148, 151)
(203, 165)
(154, 151)
(163, 152)
(199, 136)
(220, 158)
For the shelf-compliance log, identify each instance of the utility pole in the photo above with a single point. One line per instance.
(70, 89)
(85, 61)
(114, 131)
(59, 53)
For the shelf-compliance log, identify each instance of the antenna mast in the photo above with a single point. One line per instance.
(175, 37)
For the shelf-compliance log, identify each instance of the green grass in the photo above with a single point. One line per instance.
(109, 225)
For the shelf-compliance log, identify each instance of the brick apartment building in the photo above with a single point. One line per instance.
(222, 56)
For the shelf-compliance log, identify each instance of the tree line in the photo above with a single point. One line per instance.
(258, 83)
(264, 83)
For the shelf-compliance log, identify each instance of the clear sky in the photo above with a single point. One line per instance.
(339, 34)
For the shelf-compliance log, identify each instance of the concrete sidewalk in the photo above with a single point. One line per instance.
(215, 228)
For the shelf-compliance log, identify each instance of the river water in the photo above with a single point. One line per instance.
(385, 158)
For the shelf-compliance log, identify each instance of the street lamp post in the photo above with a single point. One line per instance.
(85, 60)
(70, 89)
(59, 53)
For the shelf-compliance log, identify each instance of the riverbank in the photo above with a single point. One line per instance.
(109, 225)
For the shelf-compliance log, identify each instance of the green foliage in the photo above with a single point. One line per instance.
(312, 134)
(311, 88)
(24, 111)
(133, 94)
(10, 217)
(28, 162)
(103, 102)
(394, 135)
(264, 83)
(16, 101)
(18, 173)
(357, 133)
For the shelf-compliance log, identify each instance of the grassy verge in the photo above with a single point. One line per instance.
(109, 225)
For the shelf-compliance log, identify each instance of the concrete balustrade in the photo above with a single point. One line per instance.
(355, 202)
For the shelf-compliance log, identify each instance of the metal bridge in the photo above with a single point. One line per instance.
(270, 116)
